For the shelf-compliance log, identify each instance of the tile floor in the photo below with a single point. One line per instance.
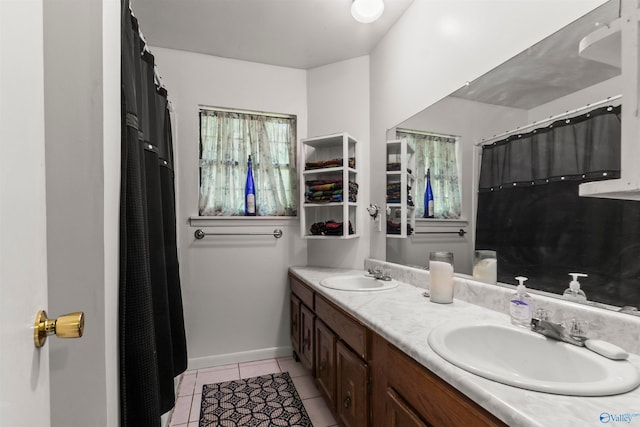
(187, 410)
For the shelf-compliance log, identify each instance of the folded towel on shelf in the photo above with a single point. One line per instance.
(329, 190)
(325, 187)
(329, 228)
(396, 167)
(321, 197)
(396, 228)
(332, 163)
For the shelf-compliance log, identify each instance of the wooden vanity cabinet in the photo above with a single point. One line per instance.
(365, 379)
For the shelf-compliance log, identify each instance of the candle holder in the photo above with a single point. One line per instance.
(485, 266)
(441, 274)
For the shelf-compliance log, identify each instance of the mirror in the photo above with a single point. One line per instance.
(547, 79)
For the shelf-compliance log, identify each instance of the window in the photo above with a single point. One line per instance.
(227, 138)
(438, 153)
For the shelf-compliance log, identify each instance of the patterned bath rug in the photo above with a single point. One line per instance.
(264, 401)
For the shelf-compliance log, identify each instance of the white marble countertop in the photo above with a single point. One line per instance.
(405, 317)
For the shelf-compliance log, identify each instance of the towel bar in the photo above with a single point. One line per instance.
(460, 232)
(199, 234)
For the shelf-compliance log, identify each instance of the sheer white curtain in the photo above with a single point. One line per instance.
(226, 141)
(437, 153)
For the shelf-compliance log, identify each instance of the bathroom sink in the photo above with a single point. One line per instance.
(525, 359)
(357, 283)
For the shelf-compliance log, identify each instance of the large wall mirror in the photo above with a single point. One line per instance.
(549, 79)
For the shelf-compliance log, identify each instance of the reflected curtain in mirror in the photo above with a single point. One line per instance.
(529, 210)
(439, 154)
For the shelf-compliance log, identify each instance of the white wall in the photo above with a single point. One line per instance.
(82, 134)
(595, 93)
(235, 289)
(338, 101)
(471, 121)
(435, 47)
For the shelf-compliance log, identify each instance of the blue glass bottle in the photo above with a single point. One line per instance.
(249, 193)
(428, 198)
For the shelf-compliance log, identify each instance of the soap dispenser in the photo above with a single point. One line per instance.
(573, 292)
(521, 305)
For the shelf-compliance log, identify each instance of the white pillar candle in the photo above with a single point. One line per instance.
(441, 288)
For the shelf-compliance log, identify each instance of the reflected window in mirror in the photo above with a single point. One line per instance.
(437, 153)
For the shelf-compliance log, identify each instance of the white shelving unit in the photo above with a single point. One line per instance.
(617, 44)
(332, 149)
(400, 211)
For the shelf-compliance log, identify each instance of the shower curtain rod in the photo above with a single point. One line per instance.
(550, 119)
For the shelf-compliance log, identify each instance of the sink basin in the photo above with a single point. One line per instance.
(525, 359)
(357, 283)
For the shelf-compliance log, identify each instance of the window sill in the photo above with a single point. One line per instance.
(212, 221)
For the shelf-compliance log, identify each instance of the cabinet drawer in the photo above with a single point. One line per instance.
(347, 328)
(436, 401)
(302, 291)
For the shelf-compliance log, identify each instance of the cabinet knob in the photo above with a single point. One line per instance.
(323, 365)
(347, 400)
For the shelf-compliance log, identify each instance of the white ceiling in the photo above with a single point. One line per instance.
(548, 70)
(292, 33)
(310, 33)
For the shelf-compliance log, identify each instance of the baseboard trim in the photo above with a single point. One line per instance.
(240, 357)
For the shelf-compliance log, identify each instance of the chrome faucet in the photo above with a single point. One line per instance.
(376, 273)
(574, 332)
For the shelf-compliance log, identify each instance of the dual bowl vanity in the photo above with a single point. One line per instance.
(383, 354)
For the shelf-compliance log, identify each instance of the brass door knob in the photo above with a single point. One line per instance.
(67, 326)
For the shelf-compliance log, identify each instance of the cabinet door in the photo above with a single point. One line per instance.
(398, 413)
(306, 337)
(295, 325)
(352, 398)
(326, 361)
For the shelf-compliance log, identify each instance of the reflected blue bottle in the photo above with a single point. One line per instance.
(249, 193)
(428, 198)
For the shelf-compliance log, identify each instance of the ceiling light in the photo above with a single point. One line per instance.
(367, 11)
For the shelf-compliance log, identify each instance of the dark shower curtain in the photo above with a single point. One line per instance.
(530, 212)
(151, 325)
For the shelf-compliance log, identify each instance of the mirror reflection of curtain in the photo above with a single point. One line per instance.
(438, 153)
(226, 141)
(152, 343)
(529, 210)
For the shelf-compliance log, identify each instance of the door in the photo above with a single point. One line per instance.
(24, 389)
(295, 325)
(352, 398)
(326, 361)
(398, 413)
(307, 319)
